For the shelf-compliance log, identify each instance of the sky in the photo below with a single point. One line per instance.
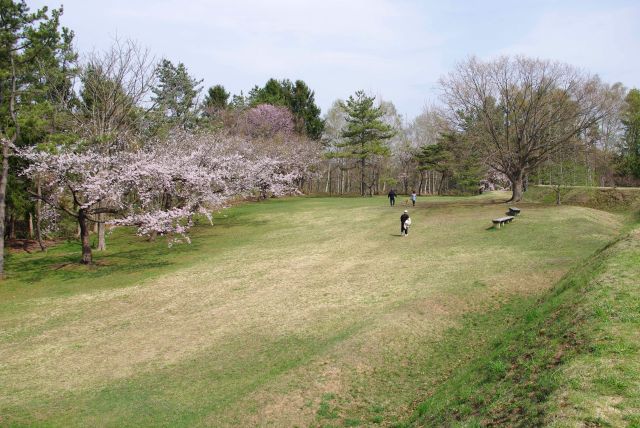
(393, 49)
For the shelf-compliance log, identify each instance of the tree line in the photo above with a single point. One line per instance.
(502, 123)
(120, 138)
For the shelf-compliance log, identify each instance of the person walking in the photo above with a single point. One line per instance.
(392, 197)
(413, 198)
(405, 222)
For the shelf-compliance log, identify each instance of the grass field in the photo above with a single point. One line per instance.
(295, 312)
(570, 360)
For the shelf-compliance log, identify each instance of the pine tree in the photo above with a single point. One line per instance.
(34, 53)
(304, 109)
(217, 99)
(176, 94)
(365, 135)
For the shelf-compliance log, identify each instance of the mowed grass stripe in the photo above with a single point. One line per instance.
(277, 305)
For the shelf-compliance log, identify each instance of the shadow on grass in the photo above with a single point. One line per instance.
(69, 268)
(64, 264)
(127, 254)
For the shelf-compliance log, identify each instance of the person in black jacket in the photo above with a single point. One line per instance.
(404, 230)
(392, 197)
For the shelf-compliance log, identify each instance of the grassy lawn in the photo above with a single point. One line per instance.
(295, 312)
(571, 360)
(601, 387)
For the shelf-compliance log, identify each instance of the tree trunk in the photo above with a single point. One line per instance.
(345, 182)
(432, 182)
(362, 184)
(11, 233)
(442, 183)
(84, 237)
(5, 161)
(102, 244)
(517, 187)
(3, 190)
(38, 211)
(327, 188)
(39, 234)
(30, 226)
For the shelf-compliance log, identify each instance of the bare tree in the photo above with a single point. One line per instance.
(334, 123)
(427, 129)
(522, 110)
(611, 132)
(114, 86)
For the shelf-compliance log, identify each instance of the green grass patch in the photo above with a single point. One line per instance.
(570, 360)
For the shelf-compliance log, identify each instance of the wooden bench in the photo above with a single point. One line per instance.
(513, 211)
(502, 220)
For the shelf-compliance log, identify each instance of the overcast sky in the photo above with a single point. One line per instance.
(395, 49)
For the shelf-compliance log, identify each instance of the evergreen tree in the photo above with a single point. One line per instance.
(34, 54)
(274, 92)
(305, 110)
(455, 159)
(176, 94)
(436, 157)
(365, 135)
(217, 99)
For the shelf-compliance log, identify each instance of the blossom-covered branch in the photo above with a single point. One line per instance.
(159, 188)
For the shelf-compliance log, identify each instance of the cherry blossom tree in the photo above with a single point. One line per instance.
(159, 189)
(267, 121)
(174, 178)
(83, 185)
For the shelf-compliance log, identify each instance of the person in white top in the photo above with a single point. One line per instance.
(405, 222)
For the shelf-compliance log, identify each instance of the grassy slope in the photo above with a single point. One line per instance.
(291, 312)
(619, 199)
(570, 360)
